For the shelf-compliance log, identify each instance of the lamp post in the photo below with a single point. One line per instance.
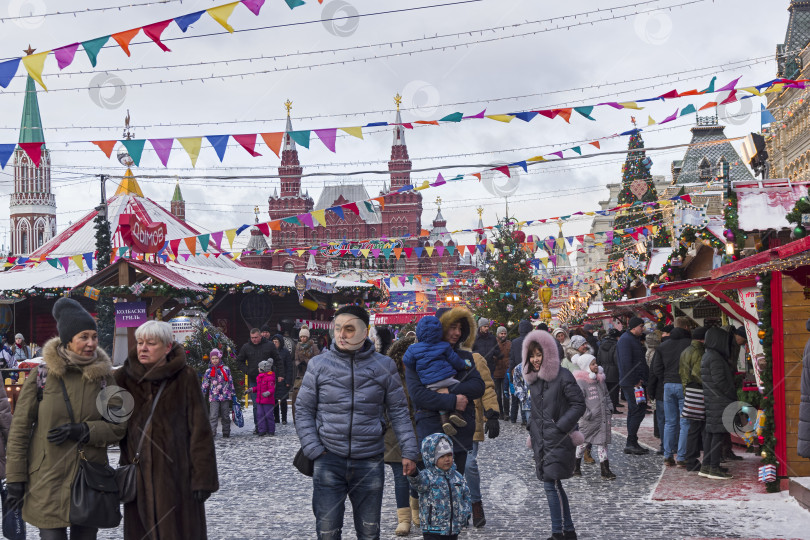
(544, 294)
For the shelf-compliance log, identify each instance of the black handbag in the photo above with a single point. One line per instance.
(94, 494)
(126, 476)
(304, 465)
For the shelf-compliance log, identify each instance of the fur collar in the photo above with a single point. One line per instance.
(457, 314)
(581, 375)
(550, 367)
(59, 366)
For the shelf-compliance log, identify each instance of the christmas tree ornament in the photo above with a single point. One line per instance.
(799, 232)
(764, 454)
(510, 308)
(761, 334)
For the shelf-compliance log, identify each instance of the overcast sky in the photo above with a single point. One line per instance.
(584, 64)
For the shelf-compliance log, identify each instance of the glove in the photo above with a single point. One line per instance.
(16, 493)
(201, 495)
(266, 393)
(492, 428)
(75, 432)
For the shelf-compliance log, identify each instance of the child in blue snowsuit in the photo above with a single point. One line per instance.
(445, 504)
(436, 364)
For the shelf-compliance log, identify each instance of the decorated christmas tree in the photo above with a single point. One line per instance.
(638, 188)
(508, 294)
(205, 338)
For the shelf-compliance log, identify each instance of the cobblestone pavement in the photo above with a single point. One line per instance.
(262, 496)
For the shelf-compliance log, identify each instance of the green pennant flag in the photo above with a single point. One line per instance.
(386, 252)
(92, 47)
(586, 112)
(710, 89)
(688, 109)
(300, 137)
(122, 250)
(451, 250)
(577, 149)
(134, 149)
(454, 117)
(53, 262)
(204, 238)
(369, 206)
(293, 220)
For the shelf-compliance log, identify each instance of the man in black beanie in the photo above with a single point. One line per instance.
(633, 372)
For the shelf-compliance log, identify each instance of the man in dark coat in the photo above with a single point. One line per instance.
(284, 379)
(665, 375)
(633, 372)
(254, 351)
(606, 357)
(459, 330)
(486, 344)
(524, 327)
(718, 394)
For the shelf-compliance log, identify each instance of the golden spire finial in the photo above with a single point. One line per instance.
(480, 211)
(439, 202)
(256, 211)
(398, 100)
(288, 106)
(29, 51)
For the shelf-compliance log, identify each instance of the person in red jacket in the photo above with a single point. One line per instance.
(265, 390)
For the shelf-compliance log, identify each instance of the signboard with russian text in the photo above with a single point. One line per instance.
(142, 237)
(130, 314)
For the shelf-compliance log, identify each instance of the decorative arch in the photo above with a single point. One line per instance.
(23, 236)
(705, 169)
(40, 233)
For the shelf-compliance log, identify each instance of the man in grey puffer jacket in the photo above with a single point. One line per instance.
(339, 410)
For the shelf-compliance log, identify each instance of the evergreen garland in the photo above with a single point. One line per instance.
(509, 292)
(104, 307)
(767, 441)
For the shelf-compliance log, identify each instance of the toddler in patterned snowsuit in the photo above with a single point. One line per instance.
(218, 384)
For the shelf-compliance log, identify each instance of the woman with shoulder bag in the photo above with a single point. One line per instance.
(177, 468)
(43, 447)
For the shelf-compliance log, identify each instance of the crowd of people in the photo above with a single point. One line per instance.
(421, 403)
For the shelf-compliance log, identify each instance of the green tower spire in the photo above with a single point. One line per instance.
(177, 197)
(31, 126)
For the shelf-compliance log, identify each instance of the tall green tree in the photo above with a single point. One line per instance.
(637, 188)
(508, 294)
(104, 306)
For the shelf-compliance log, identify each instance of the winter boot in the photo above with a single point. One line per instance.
(607, 474)
(415, 511)
(404, 522)
(447, 427)
(577, 469)
(570, 535)
(478, 514)
(587, 457)
(456, 417)
(717, 474)
(556, 536)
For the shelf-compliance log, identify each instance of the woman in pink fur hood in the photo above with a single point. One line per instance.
(595, 423)
(557, 405)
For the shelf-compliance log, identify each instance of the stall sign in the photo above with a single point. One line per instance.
(130, 314)
(142, 237)
(750, 297)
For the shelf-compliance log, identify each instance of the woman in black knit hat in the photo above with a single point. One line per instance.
(43, 443)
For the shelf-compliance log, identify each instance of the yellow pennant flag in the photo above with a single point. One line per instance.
(237, 254)
(650, 121)
(491, 248)
(33, 64)
(77, 260)
(631, 105)
(319, 216)
(192, 146)
(544, 260)
(443, 274)
(365, 252)
(354, 131)
(300, 251)
(778, 87)
(752, 90)
(424, 185)
(537, 158)
(429, 250)
(230, 234)
(501, 117)
(222, 13)
(590, 213)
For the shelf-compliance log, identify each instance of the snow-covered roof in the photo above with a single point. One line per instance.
(43, 276)
(764, 205)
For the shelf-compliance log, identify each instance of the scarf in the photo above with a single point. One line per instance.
(305, 346)
(221, 370)
(76, 359)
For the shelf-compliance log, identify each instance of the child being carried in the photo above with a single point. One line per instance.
(436, 364)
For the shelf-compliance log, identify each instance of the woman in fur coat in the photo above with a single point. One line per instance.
(595, 424)
(557, 406)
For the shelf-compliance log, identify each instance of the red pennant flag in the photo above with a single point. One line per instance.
(351, 206)
(154, 31)
(548, 114)
(106, 146)
(408, 252)
(248, 142)
(264, 228)
(669, 95)
(273, 141)
(732, 97)
(33, 150)
(504, 169)
(123, 38)
(174, 245)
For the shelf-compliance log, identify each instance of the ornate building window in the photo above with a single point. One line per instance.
(705, 169)
(288, 266)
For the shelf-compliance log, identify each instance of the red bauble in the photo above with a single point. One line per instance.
(519, 236)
